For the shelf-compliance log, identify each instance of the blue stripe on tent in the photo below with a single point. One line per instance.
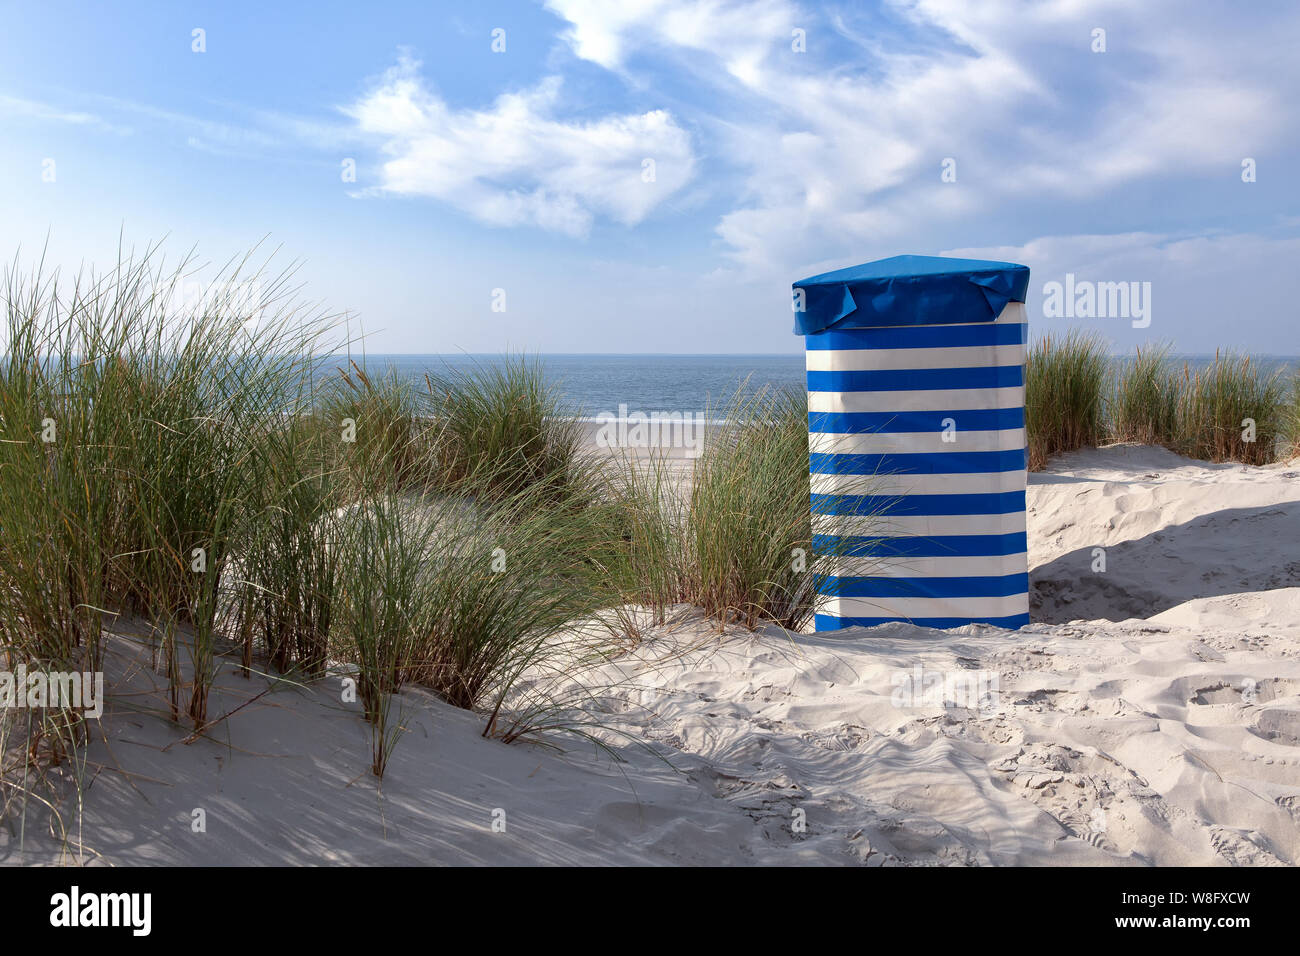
(933, 546)
(992, 503)
(969, 420)
(919, 337)
(915, 379)
(829, 622)
(1004, 585)
(923, 463)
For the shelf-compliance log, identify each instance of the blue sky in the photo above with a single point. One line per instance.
(525, 169)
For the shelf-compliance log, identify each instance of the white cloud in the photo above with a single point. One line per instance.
(741, 32)
(843, 149)
(516, 162)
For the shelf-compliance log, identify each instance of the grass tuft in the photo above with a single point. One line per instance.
(1232, 411)
(502, 430)
(1064, 384)
(1144, 402)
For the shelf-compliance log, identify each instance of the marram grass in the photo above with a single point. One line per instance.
(749, 529)
(133, 436)
(1291, 419)
(1145, 399)
(1231, 410)
(502, 430)
(1065, 379)
(198, 472)
(738, 544)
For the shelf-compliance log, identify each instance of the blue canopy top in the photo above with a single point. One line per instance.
(909, 290)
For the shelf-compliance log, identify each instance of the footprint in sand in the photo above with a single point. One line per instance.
(1245, 691)
(1278, 726)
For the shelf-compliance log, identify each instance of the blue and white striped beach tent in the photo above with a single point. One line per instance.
(916, 434)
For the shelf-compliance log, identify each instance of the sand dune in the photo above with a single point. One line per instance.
(1173, 530)
(1151, 716)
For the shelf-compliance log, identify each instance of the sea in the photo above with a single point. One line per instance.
(593, 385)
(590, 386)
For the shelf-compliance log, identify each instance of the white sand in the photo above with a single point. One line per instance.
(1173, 530)
(1163, 729)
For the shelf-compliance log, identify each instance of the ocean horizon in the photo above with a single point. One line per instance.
(596, 384)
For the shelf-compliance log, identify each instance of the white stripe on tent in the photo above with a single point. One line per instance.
(929, 400)
(895, 485)
(967, 356)
(895, 443)
(967, 607)
(991, 566)
(918, 526)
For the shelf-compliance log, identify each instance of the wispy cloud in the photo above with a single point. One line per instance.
(32, 109)
(248, 133)
(841, 146)
(206, 132)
